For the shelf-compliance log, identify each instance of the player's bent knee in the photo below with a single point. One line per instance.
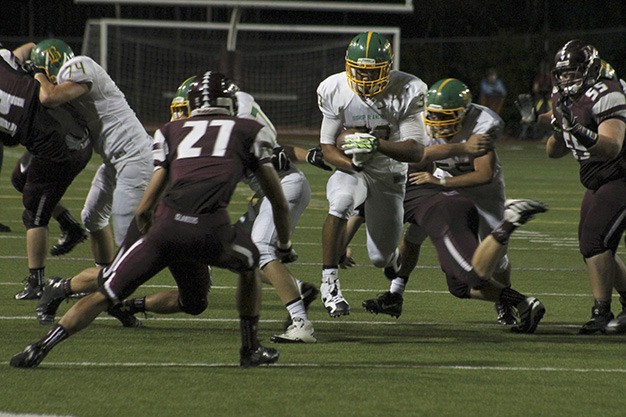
(30, 220)
(193, 307)
(460, 291)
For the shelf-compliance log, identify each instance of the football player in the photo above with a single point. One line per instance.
(452, 119)
(371, 167)
(198, 163)
(119, 138)
(72, 233)
(295, 294)
(590, 123)
(59, 145)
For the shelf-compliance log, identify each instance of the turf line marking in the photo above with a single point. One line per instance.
(337, 365)
(337, 322)
(5, 414)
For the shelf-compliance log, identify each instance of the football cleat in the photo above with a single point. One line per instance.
(122, 313)
(530, 312)
(32, 289)
(520, 211)
(333, 299)
(386, 303)
(309, 294)
(4, 228)
(598, 323)
(30, 357)
(68, 240)
(505, 314)
(260, 356)
(300, 331)
(52, 296)
(618, 324)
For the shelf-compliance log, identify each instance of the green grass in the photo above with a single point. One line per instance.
(442, 357)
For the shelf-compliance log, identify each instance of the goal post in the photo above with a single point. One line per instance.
(280, 65)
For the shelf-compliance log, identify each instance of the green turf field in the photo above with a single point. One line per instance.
(442, 357)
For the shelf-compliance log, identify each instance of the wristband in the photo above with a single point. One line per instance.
(585, 137)
(284, 246)
(442, 182)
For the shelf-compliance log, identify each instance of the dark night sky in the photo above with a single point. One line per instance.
(432, 18)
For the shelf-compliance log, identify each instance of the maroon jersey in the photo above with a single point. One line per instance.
(207, 156)
(23, 120)
(604, 100)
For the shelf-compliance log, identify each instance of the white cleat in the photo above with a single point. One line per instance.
(520, 211)
(300, 331)
(333, 299)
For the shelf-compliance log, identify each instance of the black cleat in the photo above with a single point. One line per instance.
(52, 296)
(505, 314)
(260, 356)
(30, 357)
(32, 289)
(309, 294)
(531, 312)
(386, 303)
(123, 314)
(68, 240)
(4, 228)
(598, 322)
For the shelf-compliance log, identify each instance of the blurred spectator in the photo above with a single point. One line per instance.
(535, 104)
(492, 91)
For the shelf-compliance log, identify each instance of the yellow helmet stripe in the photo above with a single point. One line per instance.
(367, 47)
(446, 81)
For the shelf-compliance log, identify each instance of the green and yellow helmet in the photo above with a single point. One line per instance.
(446, 104)
(368, 63)
(179, 108)
(50, 55)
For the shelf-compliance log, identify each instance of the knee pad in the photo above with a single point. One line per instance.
(93, 221)
(195, 306)
(342, 205)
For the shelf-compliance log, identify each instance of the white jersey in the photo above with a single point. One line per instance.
(113, 124)
(479, 119)
(401, 101)
(488, 198)
(247, 108)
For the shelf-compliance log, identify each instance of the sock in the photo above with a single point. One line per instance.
(503, 231)
(36, 276)
(330, 274)
(511, 297)
(66, 221)
(296, 309)
(134, 305)
(601, 307)
(398, 284)
(249, 328)
(55, 336)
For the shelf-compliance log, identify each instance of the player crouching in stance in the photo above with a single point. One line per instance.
(199, 161)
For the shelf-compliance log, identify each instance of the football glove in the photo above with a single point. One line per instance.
(280, 160)
(315, 157)
(286, 254)
(585, 137)
(359, 143)
(30, 68)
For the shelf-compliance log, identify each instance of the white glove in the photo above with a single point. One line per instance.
(359, 143)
